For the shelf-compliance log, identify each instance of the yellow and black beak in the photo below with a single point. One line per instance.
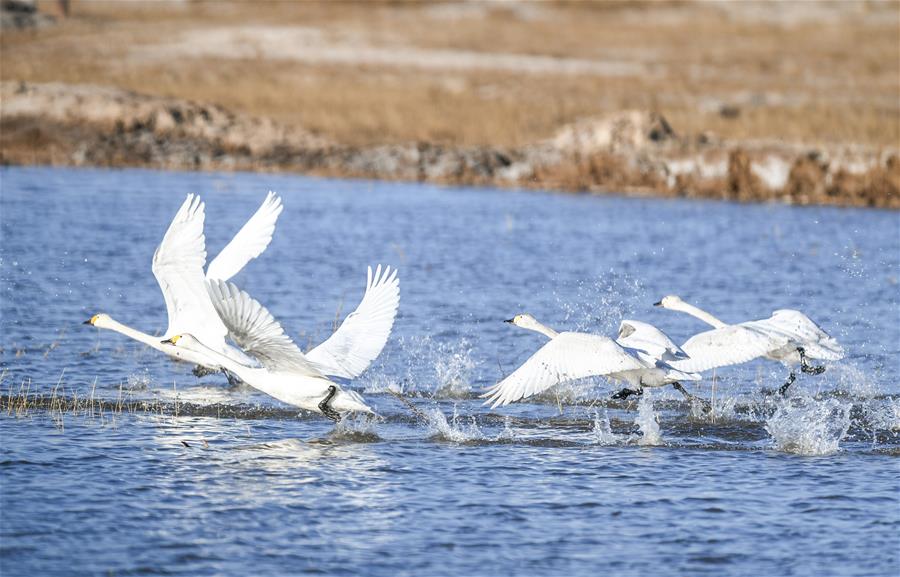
(171, 341)
(91, 320)
(659, 304)
(510, 320)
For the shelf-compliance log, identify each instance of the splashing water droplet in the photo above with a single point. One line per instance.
(806, 426)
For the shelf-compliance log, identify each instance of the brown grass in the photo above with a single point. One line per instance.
(811, 81)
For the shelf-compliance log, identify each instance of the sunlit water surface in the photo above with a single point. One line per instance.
(117, 461)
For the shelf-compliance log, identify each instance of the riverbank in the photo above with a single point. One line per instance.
(473, 93)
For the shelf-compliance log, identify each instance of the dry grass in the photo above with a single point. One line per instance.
(812, 78)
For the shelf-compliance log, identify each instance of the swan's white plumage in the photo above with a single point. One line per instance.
(178, 268)
(249, 242)
(650, 343)
(567, 357)
(362, 336)
(730, 345)
(802, 331)
(256, 331)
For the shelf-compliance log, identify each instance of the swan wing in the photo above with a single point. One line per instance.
(178, 268)
(730, 345)
(569, 356)
(802, 331)
(363, 334)
(255, 331)
(651, 342)
(249, 242)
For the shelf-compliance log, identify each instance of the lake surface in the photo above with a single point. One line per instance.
(118, 461)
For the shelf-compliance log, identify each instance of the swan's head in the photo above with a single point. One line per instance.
(101, 320)
(669, 302)
(183, 341)
(524, 320)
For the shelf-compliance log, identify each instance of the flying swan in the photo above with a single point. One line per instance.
(788, 336)
(283, 371)
(178, 267)
(642, 356)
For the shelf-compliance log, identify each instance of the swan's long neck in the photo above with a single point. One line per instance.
(698, 313)
(135, 334)
(543, 329)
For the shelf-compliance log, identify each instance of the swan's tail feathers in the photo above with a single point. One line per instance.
(675, 374)
(826, 349)
(347, 401)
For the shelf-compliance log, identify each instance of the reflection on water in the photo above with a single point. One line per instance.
(117, 460)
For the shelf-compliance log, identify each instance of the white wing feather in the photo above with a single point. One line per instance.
(569, 356)
(178, 268)
(729, 345)
(362, 336)
(249, 242)
(651, 343)
(803, 332)
(255, 331)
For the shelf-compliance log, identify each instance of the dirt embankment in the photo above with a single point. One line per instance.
(630, 151)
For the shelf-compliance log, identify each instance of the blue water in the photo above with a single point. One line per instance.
(179, 476)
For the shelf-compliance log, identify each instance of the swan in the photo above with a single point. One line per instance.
(641, 356)
(178, 267)
(788, 336)
(283, 371)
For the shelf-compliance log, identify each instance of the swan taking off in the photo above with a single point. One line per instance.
(178, 267)
(788, 336)
(284, 372)
(640, 356)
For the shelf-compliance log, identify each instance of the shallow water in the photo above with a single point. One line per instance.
(124, 463)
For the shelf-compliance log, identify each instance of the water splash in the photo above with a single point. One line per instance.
(357, 427)
(598, 306)
(602, 431)
(456, 429)
(805, 426)
(648, 422)
(445, 369)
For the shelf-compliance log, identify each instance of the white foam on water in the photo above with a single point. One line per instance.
(648, 422)
(602, 431)
(805, 426)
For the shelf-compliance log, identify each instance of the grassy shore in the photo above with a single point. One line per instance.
(794, 101)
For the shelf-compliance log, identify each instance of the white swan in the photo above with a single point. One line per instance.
(178, 267)
(788, 336)
(284, 372)
(641, 356)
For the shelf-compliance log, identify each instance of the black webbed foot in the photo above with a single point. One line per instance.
(626, 392)
(806, 367)
(201, 371)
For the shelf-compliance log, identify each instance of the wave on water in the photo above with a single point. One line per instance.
(806, 426)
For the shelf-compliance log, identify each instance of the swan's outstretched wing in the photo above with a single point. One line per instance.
(648, 341)
(363, 334)
(255, 331)
(178, 268)
(249, 242)
(569, 356)
(730, 345)
(803, 332)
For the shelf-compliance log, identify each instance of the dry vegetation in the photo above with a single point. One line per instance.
(801, 76)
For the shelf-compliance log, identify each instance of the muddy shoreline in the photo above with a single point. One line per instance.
(632, 152)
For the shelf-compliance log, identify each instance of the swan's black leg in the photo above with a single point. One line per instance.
(325, 408)
(626, 392)
(692, 398)
(201, 371)
(786, 385)
(806, 367)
